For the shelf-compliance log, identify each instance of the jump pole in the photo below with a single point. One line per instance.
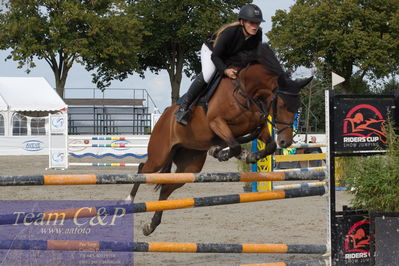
(318, 168)
(92, 211)
(299, 157)
(158, 178)
(315, 184)
(306, 145)
(115, 246)
(108, 145)
(106, 164)
(106, 138)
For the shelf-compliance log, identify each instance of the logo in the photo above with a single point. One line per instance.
(364, 124)
(58, 157)
(57, 124)
(120, 145)
(357, 241)
(33, 145)
(256, 12)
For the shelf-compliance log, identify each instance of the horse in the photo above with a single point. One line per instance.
(237, 113)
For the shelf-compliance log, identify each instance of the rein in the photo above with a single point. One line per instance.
(262, 107)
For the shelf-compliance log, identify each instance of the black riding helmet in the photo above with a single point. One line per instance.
(251, 13)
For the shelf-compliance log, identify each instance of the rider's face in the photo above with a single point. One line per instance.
(251, 28)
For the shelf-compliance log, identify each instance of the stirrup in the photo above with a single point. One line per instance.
(182, 116)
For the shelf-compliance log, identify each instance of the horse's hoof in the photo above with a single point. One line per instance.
(223, 155)
(147, 230)
(251, 158)
(213, 151)
(129, 198)
(243, 155)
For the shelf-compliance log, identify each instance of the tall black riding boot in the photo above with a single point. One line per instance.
(183, 114)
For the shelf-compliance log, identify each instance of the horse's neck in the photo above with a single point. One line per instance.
(257, 81)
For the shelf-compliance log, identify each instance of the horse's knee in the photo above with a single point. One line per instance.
(151, 166)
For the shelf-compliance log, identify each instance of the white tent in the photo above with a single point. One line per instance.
(30, 94)
(25, 103)
(3, 105)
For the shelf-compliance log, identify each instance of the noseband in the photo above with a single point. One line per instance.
(262, 107)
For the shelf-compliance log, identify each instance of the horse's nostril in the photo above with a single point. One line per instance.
(282, 143)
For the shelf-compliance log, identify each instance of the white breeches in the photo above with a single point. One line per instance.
(208, 67)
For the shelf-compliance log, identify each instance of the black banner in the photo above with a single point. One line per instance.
(351, 240)
(359, 124)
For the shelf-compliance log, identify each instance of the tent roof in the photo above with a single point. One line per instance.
(3, 105)
(29, 94)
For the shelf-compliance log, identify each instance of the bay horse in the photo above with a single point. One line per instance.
(237, 113)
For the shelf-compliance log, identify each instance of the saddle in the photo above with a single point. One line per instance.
(207, 93)
(239, 60)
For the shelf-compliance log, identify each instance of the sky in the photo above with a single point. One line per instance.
(158, 86)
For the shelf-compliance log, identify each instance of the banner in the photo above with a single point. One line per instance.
(360, 123)
(352, 240)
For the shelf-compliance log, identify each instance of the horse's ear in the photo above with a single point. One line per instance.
(303, 82)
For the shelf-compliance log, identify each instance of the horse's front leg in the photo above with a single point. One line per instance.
(222, 130)
(271, 146)
(214, 150)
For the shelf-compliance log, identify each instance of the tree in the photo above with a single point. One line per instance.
(178, 29)
(344, 36)
(99, 34)
(391, 86)
(312, 117)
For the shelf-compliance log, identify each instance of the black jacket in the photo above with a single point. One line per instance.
(230, 42)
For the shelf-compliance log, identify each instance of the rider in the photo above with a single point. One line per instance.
(242, 35)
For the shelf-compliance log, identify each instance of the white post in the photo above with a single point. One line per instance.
(58, 141)
(28, 125)
(328, 176)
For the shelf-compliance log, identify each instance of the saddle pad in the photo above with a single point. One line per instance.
(207, 93)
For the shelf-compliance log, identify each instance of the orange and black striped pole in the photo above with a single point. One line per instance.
(158, 178)
(163, 205)
(115, 246)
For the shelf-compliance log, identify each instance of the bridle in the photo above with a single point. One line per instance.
(263, 107)
(277, 92)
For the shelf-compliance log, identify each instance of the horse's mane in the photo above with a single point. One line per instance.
(267, 57)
